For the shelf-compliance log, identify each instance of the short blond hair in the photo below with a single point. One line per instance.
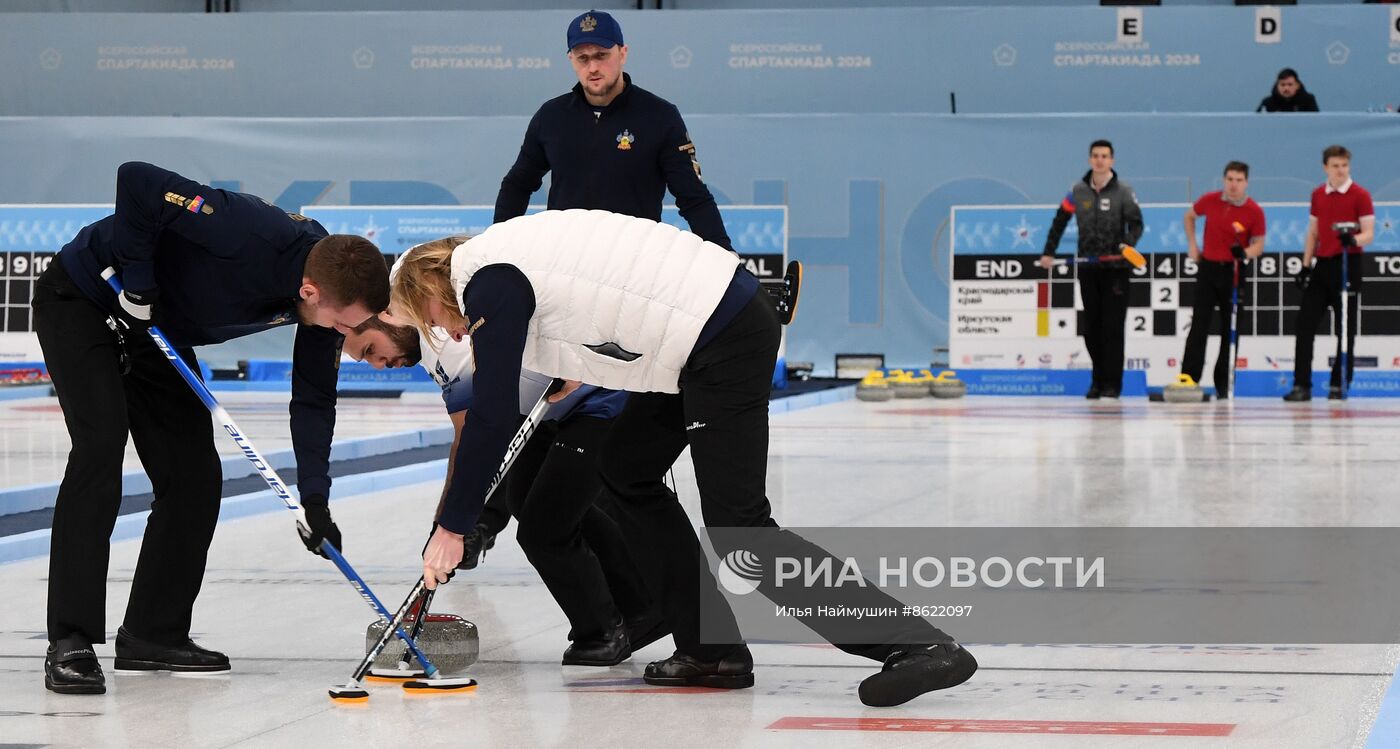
(424, 275)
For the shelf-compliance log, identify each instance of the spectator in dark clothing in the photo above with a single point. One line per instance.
(1288, 95)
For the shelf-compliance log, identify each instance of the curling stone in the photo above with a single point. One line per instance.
(449, 641)
(874, 387)
(947, 385)
(1184, 390)
(909, 385)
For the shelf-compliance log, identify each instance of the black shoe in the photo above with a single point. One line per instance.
(1093, 393)
(910, 673)
(71, 667)
(1298, 394)
(608, 650)
(1334, 393)
(1109, 393)
(134, 654)
(645, 629)
(734, 671)
(1221, 395)
(474, 546)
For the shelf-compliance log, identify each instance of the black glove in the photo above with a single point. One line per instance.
(1346, 238)
(1301, 278)
(318, 519)
(474, 546)
(1236, 252)
(136, 310)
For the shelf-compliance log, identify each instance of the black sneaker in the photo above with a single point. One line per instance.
(1334, 393)
(734, 671)
(1093, 393)
(910, 673)
(134, 654)
(1298, 394)
(609, 650)
(1110, 393)
(71, 667)
(474, 546)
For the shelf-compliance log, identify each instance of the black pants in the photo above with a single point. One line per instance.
(1105, 295)
(1324, 291)
(175, 440)
(722, 414)
(1215, 285)
(578, 550)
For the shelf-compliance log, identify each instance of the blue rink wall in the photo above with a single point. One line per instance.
(1075, 382)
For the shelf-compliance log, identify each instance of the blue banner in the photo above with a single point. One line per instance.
(487, 63)
(1073, 382)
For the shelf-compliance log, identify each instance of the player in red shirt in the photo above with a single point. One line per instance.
(1234, 231)
(1338, 201)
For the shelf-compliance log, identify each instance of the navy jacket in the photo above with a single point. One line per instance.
(621, 161)
(225, 265)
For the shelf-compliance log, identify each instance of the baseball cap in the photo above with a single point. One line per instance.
(594, 27)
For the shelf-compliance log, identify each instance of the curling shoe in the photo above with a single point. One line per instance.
(734, 671)
(71, 667)
(911, 672)
(137, 655)
(1298, 394)
(610, 649)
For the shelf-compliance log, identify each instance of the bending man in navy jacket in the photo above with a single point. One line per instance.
(206, 265)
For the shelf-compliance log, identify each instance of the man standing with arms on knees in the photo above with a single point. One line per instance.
(205, 265)
(609, 144)
(1234, 231)
(1341, 219)
(1109, 219)
(695, 345)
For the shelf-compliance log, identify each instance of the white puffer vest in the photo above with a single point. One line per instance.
(602, 278)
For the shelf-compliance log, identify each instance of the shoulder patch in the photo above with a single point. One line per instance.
(193, 205)
(688, 147)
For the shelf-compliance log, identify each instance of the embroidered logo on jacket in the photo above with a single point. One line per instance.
(613, 351)
(625, 140)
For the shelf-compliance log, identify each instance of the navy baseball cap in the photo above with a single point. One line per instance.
(594, 27)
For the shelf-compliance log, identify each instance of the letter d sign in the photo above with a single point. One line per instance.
(1268, 26)
(1129, 25)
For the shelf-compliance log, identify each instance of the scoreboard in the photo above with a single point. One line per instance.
(1005, 312)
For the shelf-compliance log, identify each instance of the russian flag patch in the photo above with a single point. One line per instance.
(195, 204)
